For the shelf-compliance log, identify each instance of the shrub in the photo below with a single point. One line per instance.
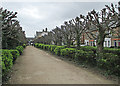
(88, 48)
(45, 47)
(20, 49)
(49, 47)
(57, 50)
(87, 57)
(41, 46)
(110, 62)
(52, 48)
(68, 52)
(7, 61)
(112, 50)
(36, 45)
(24, 45)
(15, 54)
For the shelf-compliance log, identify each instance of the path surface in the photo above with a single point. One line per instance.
(39, 67)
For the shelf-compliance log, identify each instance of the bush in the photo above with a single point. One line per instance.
(112, 50)
(87, 54)
(7, 61)
(45, 47)
(110, 62)
(68, 52)
(57, 50)
(87, 57)
(88, 48)
(36, 45)
(52, 48)
(15, 54)
(24, 45)
(41, 46)
(20, 49)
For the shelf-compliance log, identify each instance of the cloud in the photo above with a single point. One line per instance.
(35, 16)
(30, 12)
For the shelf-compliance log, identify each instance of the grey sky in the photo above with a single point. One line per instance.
(35, 16)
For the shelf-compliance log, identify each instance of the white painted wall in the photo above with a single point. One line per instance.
(86, 42)
(107, 42)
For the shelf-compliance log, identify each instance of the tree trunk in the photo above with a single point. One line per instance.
(68, 43)
(100, 42)
(78, 41)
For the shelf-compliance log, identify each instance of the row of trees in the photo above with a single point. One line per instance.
(11, 31)
(103, 21)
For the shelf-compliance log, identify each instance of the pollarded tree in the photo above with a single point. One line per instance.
(116, 17)
(68, 33)
(103, 21)
(80, 26)
(10, 28)
(57, 36)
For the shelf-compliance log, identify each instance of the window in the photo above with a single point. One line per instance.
(115, 43)
(118, 42)
(105, 43)
(87, 43)
(91, 43)
(108, 43)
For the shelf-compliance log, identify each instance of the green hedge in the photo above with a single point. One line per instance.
(106, 49)
(24, 45)
(85, 56)
(52, 48)
(68, 52)
(20, 49)
(7, 58)
(15, 54)
(112, 50)
(36, 45)
(58, 49)
(110, 62)
(46, 47)
(7, 61)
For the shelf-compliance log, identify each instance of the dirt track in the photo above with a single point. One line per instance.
(38, 67)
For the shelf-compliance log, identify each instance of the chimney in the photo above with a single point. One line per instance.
(23, 32)
(119, 7)
(45, 29)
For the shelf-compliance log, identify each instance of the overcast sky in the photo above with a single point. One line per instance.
(35, 16)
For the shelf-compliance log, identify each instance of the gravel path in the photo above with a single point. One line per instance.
(39, 67)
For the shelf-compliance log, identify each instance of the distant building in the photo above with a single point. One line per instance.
(112, 40)
(30, 40)
(39, 35)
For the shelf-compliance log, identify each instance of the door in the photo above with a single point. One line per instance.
(115, 43)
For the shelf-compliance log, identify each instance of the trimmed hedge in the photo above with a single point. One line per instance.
(52, 48)
(20, 49)
(68, 52)
(24, 45)
(46, 47)
(7, 58)
(15, 54)
(36, 45)
(106, 49)
(7, 61)
(112, 50)
(58, 49)
(86, 57)
(109, 61)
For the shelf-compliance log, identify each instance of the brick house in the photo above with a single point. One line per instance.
(112, 39)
